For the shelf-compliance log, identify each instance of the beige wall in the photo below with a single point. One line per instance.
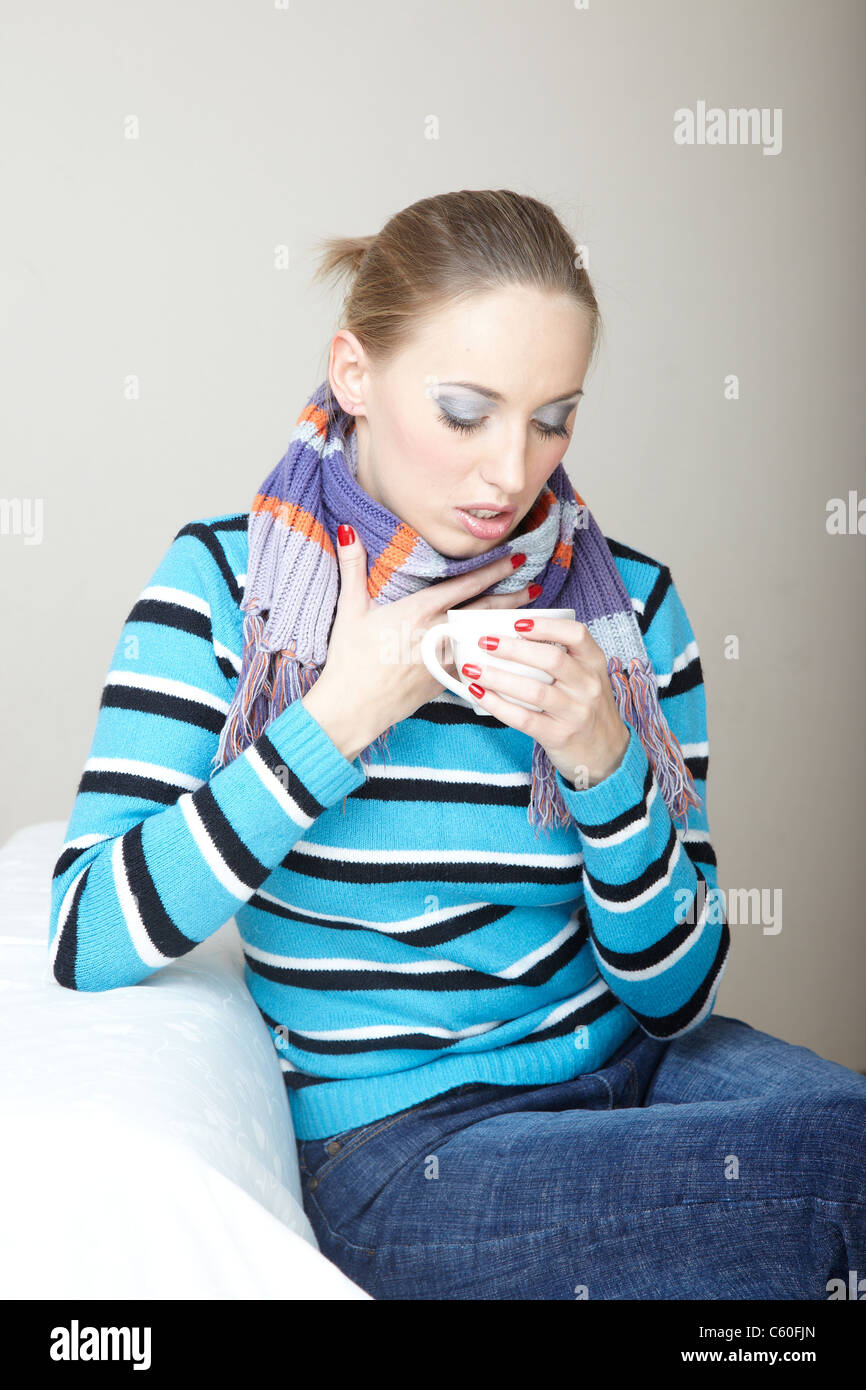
(260, 128)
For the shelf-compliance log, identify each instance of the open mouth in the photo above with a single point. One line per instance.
(485, 523)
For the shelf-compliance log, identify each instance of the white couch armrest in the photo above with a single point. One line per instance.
(149, 1147)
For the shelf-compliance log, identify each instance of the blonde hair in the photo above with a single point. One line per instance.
(446, 248)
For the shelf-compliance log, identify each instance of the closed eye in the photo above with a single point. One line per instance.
(469, 426)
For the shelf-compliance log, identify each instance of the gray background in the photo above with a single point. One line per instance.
(262, 127)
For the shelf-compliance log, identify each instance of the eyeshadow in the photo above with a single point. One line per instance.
(463, 408)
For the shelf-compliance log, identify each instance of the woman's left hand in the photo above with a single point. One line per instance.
(579, 725)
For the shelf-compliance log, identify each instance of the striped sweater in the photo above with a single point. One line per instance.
(404, 930)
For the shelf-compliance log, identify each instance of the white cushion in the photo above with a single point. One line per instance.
(148, 1144)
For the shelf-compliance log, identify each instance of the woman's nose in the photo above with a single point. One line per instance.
(506, 473)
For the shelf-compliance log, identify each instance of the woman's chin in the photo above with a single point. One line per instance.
(454, 542)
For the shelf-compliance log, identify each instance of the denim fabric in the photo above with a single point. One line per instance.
(726, 1163)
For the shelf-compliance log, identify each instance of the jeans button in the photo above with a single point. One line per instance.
(333, 1147)
(314, 1182)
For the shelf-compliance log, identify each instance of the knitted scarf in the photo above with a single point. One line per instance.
(292, 585)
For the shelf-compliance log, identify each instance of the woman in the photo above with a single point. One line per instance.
(487, 940)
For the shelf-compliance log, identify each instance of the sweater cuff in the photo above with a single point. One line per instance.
(622, 790)
(312, 755)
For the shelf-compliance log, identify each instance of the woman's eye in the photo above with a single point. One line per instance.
(454, 423)
(467, 426)
(548, 430)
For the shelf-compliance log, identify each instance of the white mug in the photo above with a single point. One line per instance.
(464, 627)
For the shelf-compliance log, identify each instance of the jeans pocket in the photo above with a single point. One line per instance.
(319, 1157)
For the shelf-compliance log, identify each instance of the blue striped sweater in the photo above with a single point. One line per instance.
(405, 931)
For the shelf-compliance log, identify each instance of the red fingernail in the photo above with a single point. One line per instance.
(469, 670)
(345, 535)
(518, 560)
(489, 644)
(524, 625)
(534, 590)
(477, 691)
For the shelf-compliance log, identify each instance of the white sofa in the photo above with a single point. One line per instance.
(148, 1149)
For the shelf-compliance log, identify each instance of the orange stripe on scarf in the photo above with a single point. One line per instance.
(392, 557)
(294, 518)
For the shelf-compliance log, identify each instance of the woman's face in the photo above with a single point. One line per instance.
(428, 445)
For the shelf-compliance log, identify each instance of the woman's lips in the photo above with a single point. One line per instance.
(485, 529)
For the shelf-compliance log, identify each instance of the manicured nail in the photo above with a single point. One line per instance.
(469, 670)
(489, 644)
(524, 625)
(534, 590)
(518, 560)
(345, 535)
(477, 691)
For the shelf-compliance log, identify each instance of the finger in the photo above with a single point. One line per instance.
(352, 558)
(449, 593)
(541, 654)
(574, 636)
(519, 599)
(572, 684)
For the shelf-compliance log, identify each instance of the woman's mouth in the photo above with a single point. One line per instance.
(486, 527)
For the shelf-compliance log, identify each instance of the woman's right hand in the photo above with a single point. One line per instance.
(373, 675)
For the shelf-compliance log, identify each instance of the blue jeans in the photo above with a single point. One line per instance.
(724, 1164)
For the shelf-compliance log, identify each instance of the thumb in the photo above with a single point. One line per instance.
(353, 568)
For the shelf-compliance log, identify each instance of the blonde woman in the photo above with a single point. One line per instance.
(486, 938)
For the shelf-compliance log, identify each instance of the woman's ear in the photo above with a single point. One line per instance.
(347, 368)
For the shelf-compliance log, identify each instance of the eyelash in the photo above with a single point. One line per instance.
(467, 426)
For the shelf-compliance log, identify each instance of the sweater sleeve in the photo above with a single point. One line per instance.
(656, 919)
(160, 849)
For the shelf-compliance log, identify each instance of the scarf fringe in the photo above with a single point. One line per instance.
(268, 682)
(379, 745)
(636, 695)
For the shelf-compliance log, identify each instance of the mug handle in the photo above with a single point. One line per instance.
(429, 645)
